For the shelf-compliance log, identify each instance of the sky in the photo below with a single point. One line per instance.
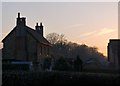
(59, 0)
(90, 23)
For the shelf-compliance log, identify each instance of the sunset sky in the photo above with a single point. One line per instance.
(90, 23)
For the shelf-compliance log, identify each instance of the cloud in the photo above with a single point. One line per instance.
(98, 32)
(88, 34)
(106, 31)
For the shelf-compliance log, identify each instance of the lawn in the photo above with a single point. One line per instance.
(57, 78)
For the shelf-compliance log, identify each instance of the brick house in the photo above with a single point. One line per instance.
(25, 43)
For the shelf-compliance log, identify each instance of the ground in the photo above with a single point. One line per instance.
(58, 78)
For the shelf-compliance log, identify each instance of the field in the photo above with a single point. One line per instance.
(57, 78)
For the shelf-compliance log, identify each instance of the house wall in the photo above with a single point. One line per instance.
(113, 57)
(8, 47)
(31, 47)
(14, 46)
(43, 51)
(24, 48)
(113, 54)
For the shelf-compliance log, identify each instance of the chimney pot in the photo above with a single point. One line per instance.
(18, 15)
(36, 24)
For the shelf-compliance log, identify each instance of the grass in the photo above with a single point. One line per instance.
(57, 78)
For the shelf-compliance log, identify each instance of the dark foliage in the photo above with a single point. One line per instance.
(58, 79)
(61, 65)
(78, 64)
(61, 47)
(47, 63)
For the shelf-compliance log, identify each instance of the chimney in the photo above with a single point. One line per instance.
(39, 29)
(21, 21)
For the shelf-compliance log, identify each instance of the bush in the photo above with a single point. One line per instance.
(61, 65)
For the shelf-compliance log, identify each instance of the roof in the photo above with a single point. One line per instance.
(9, 34)
(36, 35)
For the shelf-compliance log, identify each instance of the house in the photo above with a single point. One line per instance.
(25, 43)
(114, 53)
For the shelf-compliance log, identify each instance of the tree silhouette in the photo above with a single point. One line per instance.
(55, 38)
(61, 47)
(61, 64)
(78, 64)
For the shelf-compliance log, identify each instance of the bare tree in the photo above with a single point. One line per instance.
(52, 38)
(62, 39)
(55, 38)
